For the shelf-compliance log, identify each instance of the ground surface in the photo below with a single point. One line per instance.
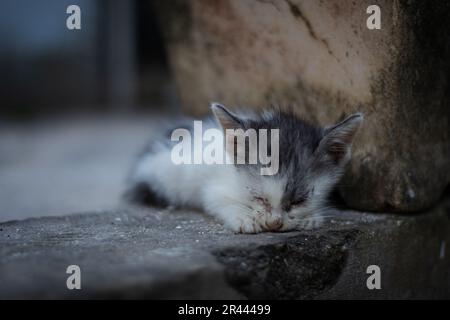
(67, 165)
(148, 253)
(61, 168)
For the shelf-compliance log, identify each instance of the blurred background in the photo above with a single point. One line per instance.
(76, 105)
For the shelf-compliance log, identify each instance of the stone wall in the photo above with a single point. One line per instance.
(320, 58)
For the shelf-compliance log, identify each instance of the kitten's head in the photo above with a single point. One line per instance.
(311, 161)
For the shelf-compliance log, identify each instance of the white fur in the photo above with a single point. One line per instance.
(217, 189)
(229, 195)
(244, 201)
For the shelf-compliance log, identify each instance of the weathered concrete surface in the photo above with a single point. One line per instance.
(68, 164)
(320, 57)
(146, 253)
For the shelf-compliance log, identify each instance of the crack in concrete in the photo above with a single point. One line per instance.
(298, 14)
(303, 266)
(270, 3)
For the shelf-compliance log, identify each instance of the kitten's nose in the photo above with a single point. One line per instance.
(274, 223)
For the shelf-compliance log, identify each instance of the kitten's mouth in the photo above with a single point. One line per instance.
(274, 225)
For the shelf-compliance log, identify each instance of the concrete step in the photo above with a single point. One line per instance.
(138, 252)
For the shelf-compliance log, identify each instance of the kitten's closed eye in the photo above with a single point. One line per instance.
(301, 199)
(294, 204)
(298, 202)
(264, 201)
(260, 199)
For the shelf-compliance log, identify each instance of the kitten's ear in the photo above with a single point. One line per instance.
(225, 117)
(337, 141)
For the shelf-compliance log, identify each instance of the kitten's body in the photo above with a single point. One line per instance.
(311, 161)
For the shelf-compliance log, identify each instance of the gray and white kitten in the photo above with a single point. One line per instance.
(311, 162)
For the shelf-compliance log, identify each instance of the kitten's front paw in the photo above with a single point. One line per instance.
(310, 223)
(244, 225)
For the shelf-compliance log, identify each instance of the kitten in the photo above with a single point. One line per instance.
(311, 162)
